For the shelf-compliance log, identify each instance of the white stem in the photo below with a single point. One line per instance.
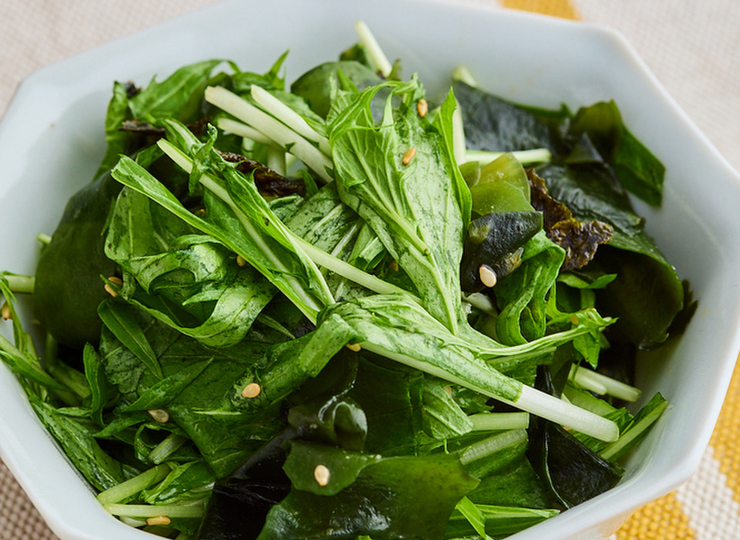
(558, 411)
(348, 271)
(603, 385)
(133, 485)
(276, 160)
(525, 157)
(481, 302)
(272, 128)
(146, 510)
(493, 444)
(499, 421)
(44, 238)
(243, 130)
(375, 53)
(463, 73)
(20, 284)
(530, 400)
(289, 117)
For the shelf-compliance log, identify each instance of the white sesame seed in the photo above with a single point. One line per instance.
(321, 474)
(158, 520)
(487, 275)
(422, 107)
(252, 390)
(408, 156)
(160, 415)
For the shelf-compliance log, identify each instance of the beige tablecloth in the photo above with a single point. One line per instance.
(692, 47)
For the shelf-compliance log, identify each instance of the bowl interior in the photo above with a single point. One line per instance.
(52, 138)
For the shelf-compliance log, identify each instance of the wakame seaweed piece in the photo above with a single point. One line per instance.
(493, 240)
(647, 294)
(338, 420)
(239, 504)
(494, 124)
(591, 191)
(579, 240)
(68, 286)
(339, 467)
(396, 497)
(639, 171)
(315, 86)
(595, 133)
(571, 470)
(391, 398)
(268, 182)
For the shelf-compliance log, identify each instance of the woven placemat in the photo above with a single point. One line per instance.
(692, 47)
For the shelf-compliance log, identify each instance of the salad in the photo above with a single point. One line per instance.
(347, 309)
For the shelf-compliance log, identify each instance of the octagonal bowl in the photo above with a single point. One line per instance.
(52, 138)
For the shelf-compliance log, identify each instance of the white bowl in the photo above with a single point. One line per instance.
(51, 141)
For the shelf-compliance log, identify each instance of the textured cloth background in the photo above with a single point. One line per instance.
(692, 47)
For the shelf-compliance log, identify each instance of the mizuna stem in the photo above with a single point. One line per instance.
(499, 421)
(289, 117)
(243, 130)
(374, 51)
(530, 399)
(272, 128)
(309, 307)
(134, 485)
(346, 270)
(601, 384)
(525, 157)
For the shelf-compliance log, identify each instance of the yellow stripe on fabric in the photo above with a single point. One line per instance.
(557, 8)
(725, 439)
(663, 519)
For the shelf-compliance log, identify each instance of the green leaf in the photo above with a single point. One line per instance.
(522, 295)
(178, 96)
(163, 392)
(215, 300)
(119, 319)
(316, 88)
(498, 521)
(68, 287)
(184, 483)
(637, 429)
(443, 418)
(117, 139)
(418, 209)
(639, 171)
(80, 446)
(95, 374)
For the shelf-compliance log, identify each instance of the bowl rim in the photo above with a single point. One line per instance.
(10, 451)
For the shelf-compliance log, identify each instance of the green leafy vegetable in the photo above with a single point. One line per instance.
(285, 350)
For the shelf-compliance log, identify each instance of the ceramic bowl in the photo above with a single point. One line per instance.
(51, 141)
